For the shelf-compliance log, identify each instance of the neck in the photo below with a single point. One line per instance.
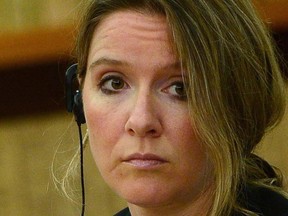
(199, 207)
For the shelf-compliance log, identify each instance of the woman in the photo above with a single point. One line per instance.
(176, 95)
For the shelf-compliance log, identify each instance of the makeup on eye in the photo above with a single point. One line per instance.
(176, 89)
(111, 84)
(114, 83)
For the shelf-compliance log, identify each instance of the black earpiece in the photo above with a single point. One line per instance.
(73, 96)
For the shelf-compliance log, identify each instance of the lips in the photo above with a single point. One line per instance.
(145, 160)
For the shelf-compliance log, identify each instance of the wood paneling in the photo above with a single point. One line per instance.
(274, 12)
(33, 89)
(46, 44)
(34, 47)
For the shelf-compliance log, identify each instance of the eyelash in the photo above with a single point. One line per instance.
(108, 78)
(178, 96)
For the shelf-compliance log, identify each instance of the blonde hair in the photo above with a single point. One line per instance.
(234, 85)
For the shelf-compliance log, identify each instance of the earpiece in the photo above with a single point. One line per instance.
(74, 104)
(73, 96)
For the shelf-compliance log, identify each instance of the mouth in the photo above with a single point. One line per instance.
(145, 161)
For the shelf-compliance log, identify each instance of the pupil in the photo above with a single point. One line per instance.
(180, 90)
(117, 84)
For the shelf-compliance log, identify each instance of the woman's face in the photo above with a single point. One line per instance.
(141, 137)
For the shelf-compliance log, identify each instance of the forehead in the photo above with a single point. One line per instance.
(133, 19)
(133, 25)
(133, 34)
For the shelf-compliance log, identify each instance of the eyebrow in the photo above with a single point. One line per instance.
(115, 62)
(107, 61)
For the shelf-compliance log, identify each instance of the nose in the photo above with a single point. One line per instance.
(144, 119)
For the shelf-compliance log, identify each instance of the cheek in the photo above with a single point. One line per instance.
(99, 123)
(187, 146)
(104, 128)
(181, 130)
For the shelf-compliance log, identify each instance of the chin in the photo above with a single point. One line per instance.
(147, 194)
(148, 201)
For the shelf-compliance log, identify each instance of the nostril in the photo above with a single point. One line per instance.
(151, 132)
(131, 131)
(145, 125)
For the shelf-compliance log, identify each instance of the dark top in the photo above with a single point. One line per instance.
(124, 212)
(257, 199)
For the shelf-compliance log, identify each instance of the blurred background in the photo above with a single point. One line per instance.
(36, 42)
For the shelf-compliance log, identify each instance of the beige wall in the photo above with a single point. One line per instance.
(19, 15)
(274, 147)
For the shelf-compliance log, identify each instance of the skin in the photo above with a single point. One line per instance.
(141, 137)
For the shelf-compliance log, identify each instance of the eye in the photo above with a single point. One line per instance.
(177, 89)
(111, 84)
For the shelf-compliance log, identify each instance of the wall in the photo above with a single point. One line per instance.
(274, 147)
(19, 15)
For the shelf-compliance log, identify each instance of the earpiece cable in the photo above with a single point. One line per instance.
(81, 170)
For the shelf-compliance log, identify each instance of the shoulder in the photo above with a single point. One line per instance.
(124, 212)
(264, 201)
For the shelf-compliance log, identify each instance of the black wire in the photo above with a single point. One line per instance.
(82, 170)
